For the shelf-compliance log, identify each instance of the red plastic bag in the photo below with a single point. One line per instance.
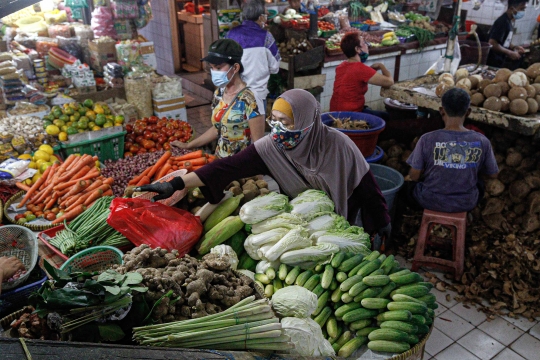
(155, 224)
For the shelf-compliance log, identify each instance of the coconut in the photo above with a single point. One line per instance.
(461, 73)
(504, 87)
(533, 71)
(492, 103)
(464, 83)
(483, 84)
(537, 98)
(505, 103)
(517, 79)
(533, 106)
(537, 88)
(492, 90)
(537, 80)
(474, 82)
(447, 78)
(531, 91)
(442, 88)
(502, 75)
(519, 107)
(477, 99)
(517, 93)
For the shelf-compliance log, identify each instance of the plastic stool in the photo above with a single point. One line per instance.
(458, 225)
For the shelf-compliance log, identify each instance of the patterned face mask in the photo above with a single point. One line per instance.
(285, 138)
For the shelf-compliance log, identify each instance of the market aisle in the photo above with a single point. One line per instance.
(199, 118)
(463, 332)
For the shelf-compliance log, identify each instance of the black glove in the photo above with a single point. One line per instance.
(382, 235)
(165, 189)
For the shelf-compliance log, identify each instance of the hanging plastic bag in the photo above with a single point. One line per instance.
(438, 67)
(155, 224)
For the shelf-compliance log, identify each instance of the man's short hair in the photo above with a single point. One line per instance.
(252, 9)
(516, 3)
(456, 102)
(349, 43)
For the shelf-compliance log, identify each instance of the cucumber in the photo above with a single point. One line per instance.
(357, 289)
(337, 259)
(336, 347)
(351, 346)
(377, 272)
(413, 339)
(346, 298)
(373, 255)
(407, 298)
(342, 310)
(336, 305)
(366, 331)
(372, 292)
(349, 264)
(332, 340)
(414, 308)
(388, 334)
(399, 315)
(387, 264)
(303, 277)
(313, 281)
(237, 242)
(341, 276)
(271, 273)
(278, 284)
(344, 338)
(374, 303)
(400, 325)
(422, 329)
(387, 289)
(415, 291)
(357, 267)
(431, 312)
(396, 268)
(382, 257)
(336, 295)
(327, 276)
(376, 280)
(401, 272)
(263, 278)
(283, 271)
(418, 320)
(360, 324)
(429, 320)
(334, 285)
(369, 268)
(332, 327)
(428, 299)
(292, 275)
(246, 262)
(406, 279)
(348, 284)
(388, 346)
(269, 290)
(433, 306)
(323, 316)
(423, 283)
(359, 314)
(318, 269)
(321, 303)
(318, 290)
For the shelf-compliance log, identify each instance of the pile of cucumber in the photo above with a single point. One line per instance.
(363, 300)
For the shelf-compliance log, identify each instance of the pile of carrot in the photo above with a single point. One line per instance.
(168, 163)
(70, 187)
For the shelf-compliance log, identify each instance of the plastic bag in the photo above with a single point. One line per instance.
(438, 67)
(71, 46)
(11, 168)
(155, 224)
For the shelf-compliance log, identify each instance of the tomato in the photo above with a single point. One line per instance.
(152, 150)
(138, 130)
(145, 119)
(173, 138)
(170, 132)
(155, 136)
(38, 213)
(142, 151)
(178, 134)
(153, 120)
(127, 145)
(134, 148)
(166, 146)
(139, 139)
(20, 216)
(128, 154)
(148, 144)
(176, 124)
(50, 216)
(55, 210)
(147, 134)
(161, 139)
(130, 137)
(129, 128)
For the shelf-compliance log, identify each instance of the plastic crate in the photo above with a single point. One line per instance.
(109, 147)
(16, 298)
(326, 34)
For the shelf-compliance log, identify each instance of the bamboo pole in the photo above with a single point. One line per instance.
(450, 44)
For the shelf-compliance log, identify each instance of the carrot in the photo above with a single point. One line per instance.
(78, 199)
(211, 158)
(196, 167)
(90, 175)
(187, 165)
(163, 171)
(199, 161)
(93, 186)
(108, 193)
(69, 215)
(79, 187)
(85, 170)
(170, 171)
(192, 155)
(86, 161)
(22, 186)
(96, 194)
(44, 194)
(50, 203)
(68, 162)
(174, 167)
(159, 164)
(108, 181)
(34, 187)
(48, 177)
(144, 181)
(137, 178)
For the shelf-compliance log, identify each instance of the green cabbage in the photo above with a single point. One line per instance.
(283, 220)
(296, 238)
(294, 301)
(327, 221)
(309, 256)
(352, 239)
(264, 207)
(307, 337)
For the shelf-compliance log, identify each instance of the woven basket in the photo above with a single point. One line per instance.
(416, 352)
(22, 243)
(14, 199)
(7, 320)
(176, 197)
(97, 258)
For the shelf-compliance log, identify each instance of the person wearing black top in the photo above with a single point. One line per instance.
(503, 54)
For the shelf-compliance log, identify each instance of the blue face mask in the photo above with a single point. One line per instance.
(519, 15)
(363, 56)
(219, 78)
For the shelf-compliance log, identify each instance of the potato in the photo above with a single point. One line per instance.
(494, 187)
(493, 206)
(513, 159)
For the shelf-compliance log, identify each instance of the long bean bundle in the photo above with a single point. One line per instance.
(89, 229)
(422, 35)
(248, 325)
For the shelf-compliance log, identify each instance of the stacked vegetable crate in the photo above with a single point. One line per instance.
(363, 300)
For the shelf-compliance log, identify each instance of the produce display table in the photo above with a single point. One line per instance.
(419, 92)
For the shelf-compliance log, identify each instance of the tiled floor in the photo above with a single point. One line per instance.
(461, 332)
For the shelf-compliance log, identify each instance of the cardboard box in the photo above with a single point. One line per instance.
(190, 18)
(170, 101)
(101, 53)
(168, 107)
(101, 95)
(178, 114)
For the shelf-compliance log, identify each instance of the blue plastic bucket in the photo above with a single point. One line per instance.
(376, 156)
(389, 181)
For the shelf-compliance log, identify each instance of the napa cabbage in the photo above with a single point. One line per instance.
(352, 239)
(264, 207)
(327, 221)
(295, 239)
(283, 220)
(309, 256)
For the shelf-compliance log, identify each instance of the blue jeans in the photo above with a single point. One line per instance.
(382, 114)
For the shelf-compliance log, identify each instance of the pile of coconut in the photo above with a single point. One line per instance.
(517, 92)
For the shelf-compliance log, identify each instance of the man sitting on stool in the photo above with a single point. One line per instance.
(450, 161)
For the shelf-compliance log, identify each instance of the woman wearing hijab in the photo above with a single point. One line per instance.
(300, 153)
